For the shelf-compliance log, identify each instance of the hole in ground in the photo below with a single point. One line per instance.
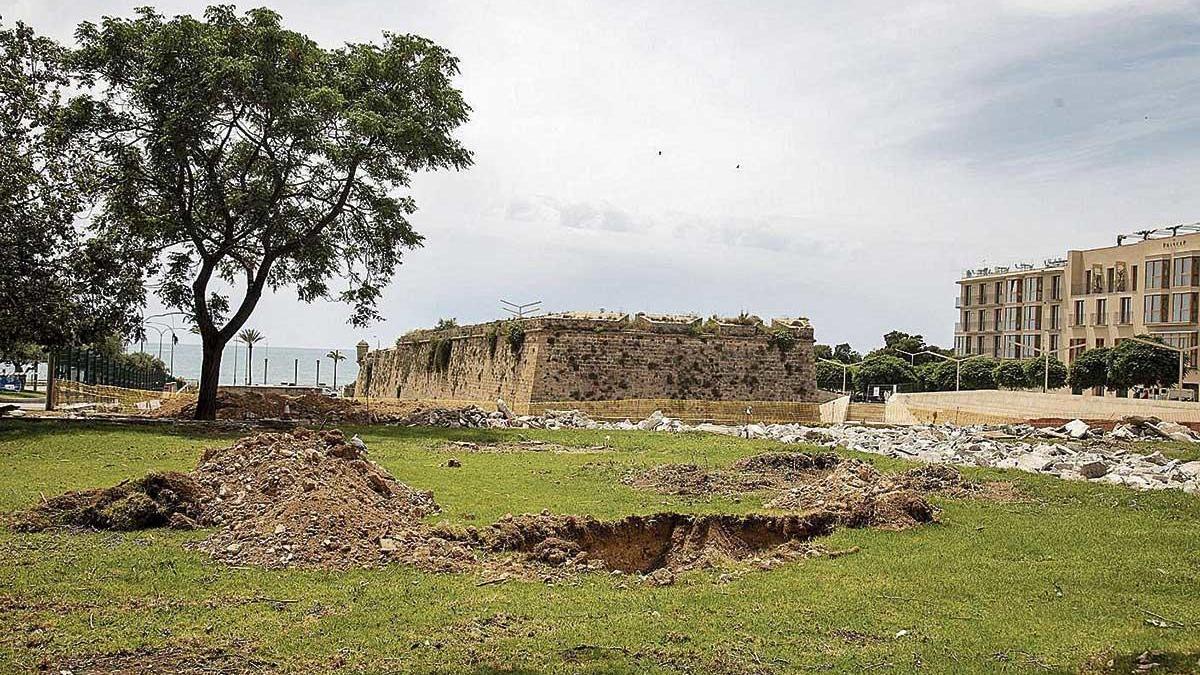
(646, 543)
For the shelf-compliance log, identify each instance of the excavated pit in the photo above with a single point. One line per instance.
(644, 544)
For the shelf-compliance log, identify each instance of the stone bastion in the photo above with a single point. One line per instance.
(597, 356)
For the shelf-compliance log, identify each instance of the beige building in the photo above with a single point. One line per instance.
(1147, 283)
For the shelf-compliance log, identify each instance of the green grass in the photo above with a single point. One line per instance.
(1047, 584)
(1184, 452)
(18, 396)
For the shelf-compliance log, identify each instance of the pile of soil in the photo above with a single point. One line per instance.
(184, 657)
(863, 497)
(314, 499)
(645, 544)
(252, 405)
(158, 499)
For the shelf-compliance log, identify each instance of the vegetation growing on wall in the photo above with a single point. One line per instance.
(439, 355)
(783, 339)
(516, 337)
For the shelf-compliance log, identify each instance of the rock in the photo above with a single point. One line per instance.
(1077, 429)
(388, 544)
(1123, 432)
(1034, 463)
(358, 443)
(503, 409)
(660, 577)
(1092, 470)
(652, 422)
(1190, 468)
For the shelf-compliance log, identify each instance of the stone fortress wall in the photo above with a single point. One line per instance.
(597, 357)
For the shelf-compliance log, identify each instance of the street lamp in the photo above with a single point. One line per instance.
(845, 370)
(912, 356)
(1179, 350)
(1038, 350)
(957, 366)
(174, 339)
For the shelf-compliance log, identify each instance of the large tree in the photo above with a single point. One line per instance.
(1137, 363)
(251, 158)
(59, 284)
(883, 370)
(1090, 369)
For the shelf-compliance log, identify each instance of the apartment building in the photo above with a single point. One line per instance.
(1147, 283)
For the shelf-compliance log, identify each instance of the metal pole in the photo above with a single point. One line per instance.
(233, 378)
(264, 379)
(318, 382)
(296, 371)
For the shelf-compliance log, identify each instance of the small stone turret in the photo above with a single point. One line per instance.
(362, 348)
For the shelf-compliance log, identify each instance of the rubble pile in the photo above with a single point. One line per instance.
(314, 499)
(1075, 450)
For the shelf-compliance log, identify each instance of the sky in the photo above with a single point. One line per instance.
(843, 161)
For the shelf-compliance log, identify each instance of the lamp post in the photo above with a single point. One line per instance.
(957, 366)
(845, 370)
(912, 356)
(1178, 350)
(1045, 359)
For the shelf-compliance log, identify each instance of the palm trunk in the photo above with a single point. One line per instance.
(335, 373)
(210, 370)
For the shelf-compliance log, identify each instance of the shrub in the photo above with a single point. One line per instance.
(516, 337)
(1010, 375)
(1090, 369)
(782, 339)
(1035, 372)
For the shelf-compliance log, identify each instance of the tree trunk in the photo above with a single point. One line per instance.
(210, 370)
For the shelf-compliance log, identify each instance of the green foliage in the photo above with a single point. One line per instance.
(60, 284)
(881, 370)
(843, 352)
(250, 336)
(1010, 374)
(783, 339)
(1035, 372)
(252, 157)
(829, 377)
(493, 338)
(516, 337)
(974, 374)
(1090, 369)
(1136, 363)
(443, 324)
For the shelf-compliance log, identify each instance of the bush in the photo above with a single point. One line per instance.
(516, 337)
(782, 339)
(883, 370)
(1010, 375)
(829, 377)
(443, 324)
(1137, 363)
(1035, 372)
(1090, 369)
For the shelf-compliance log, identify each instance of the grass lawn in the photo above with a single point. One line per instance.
(19, 396)
(1064, 580)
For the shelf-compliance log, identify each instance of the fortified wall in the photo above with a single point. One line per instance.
(597, 357)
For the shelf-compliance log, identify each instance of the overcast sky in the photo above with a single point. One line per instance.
(883, 148)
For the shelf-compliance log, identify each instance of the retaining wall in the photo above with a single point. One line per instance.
(989, 406)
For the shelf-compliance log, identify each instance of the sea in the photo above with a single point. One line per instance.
(271, 364)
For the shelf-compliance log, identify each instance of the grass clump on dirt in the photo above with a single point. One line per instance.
(1071, 577)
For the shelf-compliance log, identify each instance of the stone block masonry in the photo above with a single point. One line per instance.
(598, 357)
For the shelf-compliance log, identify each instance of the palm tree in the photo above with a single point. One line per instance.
(336, 355)
(250, 337)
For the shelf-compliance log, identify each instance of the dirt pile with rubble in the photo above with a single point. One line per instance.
(252, 405)
(771, 470)
(155, 500)
(313, 499)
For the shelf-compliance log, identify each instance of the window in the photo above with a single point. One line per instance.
(1014, 290)
(1108, 287)
(1076, 347)
(1133, 278)
(1054, 318)
(1185, 271)
(1033, 289)
(1156, 274)
(966, 320)
(1012, 318)
(1054, 343)
(1101, 312)
(1087, 281)
(1125, 317)
(999, 291)
(1077, 319)
(966, 295)
(1181, 341)
(982, 295)
(1030, 345)
(1099, 343)
(1012, 346)
(980, 342)
(996, 345)
(1154, 309)
(1056, 287)
(1183, 308)
(1033, 317)
(982, 324)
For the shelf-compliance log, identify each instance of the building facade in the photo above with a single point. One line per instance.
(1147, 283)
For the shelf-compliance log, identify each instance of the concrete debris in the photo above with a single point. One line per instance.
(1076, 450)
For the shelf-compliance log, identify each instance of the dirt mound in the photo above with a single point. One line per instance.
(313, 498)
(158, 499)
(787, 464)
(862, 497)
(644, 544)
(252, 405)
(770, 470)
